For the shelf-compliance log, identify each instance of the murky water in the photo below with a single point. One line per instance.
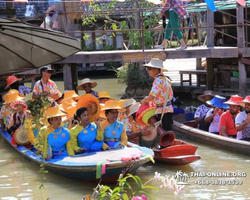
(19, 178)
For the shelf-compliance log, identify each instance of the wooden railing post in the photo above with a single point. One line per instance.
(210, 43)
(241, 44)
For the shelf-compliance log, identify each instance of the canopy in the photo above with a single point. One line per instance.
(24, 47)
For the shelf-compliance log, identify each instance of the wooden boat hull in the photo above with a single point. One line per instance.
(178, 153)
(86, 169)
(220, 142)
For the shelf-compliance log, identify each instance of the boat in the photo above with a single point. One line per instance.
(188, 129)
(178, 153)
(87, 166)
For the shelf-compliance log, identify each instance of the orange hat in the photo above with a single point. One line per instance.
(71, 111)
(19, 102)
(54, 112)
(126, 102)
(13, 91)
(11, 97)
(71, 94)
(10, 80)
(246, 100)
(234, 99)
(90, 102)
(111, 104)
(104, 95)
(67, 103)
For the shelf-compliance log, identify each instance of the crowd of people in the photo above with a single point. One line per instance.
(75, 124)
(226, 118)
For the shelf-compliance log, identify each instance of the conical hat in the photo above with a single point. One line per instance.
(126, 102)
(70, 94)
(21, 136)
(111, 104)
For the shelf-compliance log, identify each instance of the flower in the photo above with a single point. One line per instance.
(157, 176)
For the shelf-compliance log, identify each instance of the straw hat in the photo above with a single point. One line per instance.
(18, 102)
(104, 95)
(156, 63)
(70, 94)
(126, 102)
(218, 101)
(207, 94)
(84, 81)
(10, 80)
(9, 98)
(71, 111)
(90, 102)
(246, 100)
(54, 112)
(111, 104)
(13, 91)
(234, 99)
(134, 108)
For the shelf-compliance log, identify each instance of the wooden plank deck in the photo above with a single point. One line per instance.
(174, 66)
(140, 56)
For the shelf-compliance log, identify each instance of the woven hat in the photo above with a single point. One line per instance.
(92, 104)
(218, 101)
(84, 81)
(11, 79)
(11, 97)
(111, 104)
(207, 94)
(246, 100)
(126, 102)
(54, 112)
(13, 91)
(134, 108)
(234, 99)
(19, 102)
(156, 63)
(104, 95)
(70, 94)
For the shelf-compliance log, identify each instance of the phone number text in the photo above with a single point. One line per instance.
(219, 182)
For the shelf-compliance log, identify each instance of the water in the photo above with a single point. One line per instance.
(19, 178)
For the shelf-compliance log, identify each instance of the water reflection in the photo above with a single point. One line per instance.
(19, 178)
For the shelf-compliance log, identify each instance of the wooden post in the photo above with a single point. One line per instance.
(241, 44)
(198, 64)
(210, 43)
(70, 77)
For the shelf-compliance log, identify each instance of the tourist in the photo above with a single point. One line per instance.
(6, 110)
(202, 110)
(113, 131)
(53, 141)
(46, 87)
(227, 120)
(161, 91)
(213, 115)
(86, 136)
(242, 120)
(19, 117)
(177, 9)
(104, 96)
(125, 104)
(87, 85)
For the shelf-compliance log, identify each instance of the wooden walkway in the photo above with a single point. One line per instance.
(140, 56)
(174, 66)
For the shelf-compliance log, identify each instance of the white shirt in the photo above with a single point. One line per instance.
(240, 119)
(215, 124)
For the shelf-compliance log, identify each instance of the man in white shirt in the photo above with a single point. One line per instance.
(242, 120)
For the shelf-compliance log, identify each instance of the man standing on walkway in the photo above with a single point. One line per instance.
(243, 119)
(46, 87)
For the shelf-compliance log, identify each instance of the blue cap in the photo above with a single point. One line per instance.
(218, 101)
